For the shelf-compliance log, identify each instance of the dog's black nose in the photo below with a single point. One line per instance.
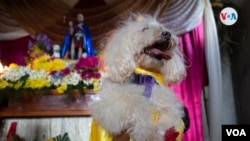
(166, 34)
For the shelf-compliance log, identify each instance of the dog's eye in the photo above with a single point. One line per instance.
(144, 29)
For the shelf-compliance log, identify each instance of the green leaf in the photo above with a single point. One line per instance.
(65, 137)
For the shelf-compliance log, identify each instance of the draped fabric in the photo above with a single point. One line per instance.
(52, 17)
(190, 89)
(32, 16)
(182, 16)
(9, 27)
(213, 60)
(14, 51)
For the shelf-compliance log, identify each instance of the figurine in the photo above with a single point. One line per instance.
(78, 41)
(56, 51)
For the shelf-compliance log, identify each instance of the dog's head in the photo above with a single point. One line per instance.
(142, 41)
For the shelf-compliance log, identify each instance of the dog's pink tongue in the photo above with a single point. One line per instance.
(160, 53)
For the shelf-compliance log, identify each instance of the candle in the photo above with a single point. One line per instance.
(1, 68)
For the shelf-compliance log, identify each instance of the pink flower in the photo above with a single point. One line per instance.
(88, 67)
(79, 64)
(91, 62)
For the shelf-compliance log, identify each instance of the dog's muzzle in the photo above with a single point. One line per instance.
(158, 49)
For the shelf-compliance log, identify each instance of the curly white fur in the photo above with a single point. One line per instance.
(122, 107)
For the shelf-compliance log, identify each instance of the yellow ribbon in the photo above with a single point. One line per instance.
(158, 77)
(98, 133)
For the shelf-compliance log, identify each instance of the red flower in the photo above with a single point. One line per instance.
(65, 71)
(97, 75)
(171, 135)
(85, 75)
(53, 72)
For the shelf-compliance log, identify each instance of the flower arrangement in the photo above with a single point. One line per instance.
(46, 73)
(39, 45)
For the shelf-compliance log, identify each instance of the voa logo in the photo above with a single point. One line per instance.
(236, 132)
(228, 16)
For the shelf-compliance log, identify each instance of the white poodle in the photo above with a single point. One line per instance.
(141, 48)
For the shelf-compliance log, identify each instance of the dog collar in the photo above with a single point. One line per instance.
(149, 82)
(158, 77)
(149, 79)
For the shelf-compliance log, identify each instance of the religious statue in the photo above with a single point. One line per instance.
(78, 41)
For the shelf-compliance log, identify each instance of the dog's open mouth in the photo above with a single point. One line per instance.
(158, 50)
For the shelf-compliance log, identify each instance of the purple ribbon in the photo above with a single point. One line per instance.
(149, 81)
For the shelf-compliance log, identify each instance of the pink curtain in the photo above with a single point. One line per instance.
(190, 89)
(14, 51)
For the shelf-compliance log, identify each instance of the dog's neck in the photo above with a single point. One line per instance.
(157, 76)
(147, 78)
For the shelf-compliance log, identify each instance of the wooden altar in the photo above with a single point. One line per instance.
(49, 105)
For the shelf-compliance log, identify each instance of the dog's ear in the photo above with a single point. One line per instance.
(119, 59)
(139, 17)
(135, 17)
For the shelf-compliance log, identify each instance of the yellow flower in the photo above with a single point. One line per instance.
(42, 59)
(37, 83)
(3, 84)
(45, 63)
(36, 51)
(13, 65)
(58, 64)
(47, 66)
(38, 63)
(50, 140)
(61, 88)
(96, 84)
